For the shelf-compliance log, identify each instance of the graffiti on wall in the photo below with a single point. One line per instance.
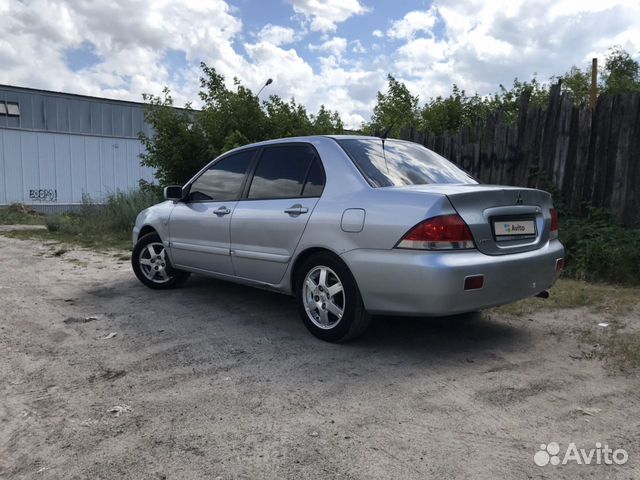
(43, 195)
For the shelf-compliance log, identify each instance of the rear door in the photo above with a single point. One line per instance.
(268, 222)
(199, 226)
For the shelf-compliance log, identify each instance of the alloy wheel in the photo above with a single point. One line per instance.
(323, 296)
(153, 263)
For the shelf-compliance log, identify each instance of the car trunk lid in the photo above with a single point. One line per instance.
(502, 219)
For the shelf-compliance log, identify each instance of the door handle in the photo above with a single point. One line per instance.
(222, 211)
(296, 210)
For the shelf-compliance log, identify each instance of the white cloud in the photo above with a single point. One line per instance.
(335, 46)
(351, 91)
(412, 23)
(573, 7)
(484, 44)
(324, 15)
(276, 34)
(478, 46)
(290, 73)
(357, 47)
(131, 40)
(419, 56)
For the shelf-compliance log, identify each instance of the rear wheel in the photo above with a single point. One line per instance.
(151, 264)
(329, 301)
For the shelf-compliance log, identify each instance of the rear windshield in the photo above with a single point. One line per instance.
(401, 163)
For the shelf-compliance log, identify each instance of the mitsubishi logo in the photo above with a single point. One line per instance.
(519, 198)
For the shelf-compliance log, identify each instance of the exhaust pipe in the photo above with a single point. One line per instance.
(543, 294)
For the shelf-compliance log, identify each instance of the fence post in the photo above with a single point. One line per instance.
(594, 83)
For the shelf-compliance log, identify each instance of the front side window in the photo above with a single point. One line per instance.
(401, 163)
(223, 180)
(284, 171)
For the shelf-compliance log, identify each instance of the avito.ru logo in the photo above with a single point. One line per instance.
(550, 454)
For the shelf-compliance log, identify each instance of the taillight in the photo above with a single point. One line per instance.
(446, 232)
(554, 223)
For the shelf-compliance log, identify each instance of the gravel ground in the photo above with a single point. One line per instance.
(216, 380)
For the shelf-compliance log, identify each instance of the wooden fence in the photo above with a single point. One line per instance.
(588, 157)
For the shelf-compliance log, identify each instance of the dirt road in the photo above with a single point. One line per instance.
(222, 381)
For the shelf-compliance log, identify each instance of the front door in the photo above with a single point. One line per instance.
(199, 225)
(199, 234)
(267, 225)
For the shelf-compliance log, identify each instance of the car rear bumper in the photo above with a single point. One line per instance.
(408, 282)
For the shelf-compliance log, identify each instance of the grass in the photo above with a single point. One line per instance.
(616, 345)
(568, 293)
(19, 214)
(93, 241)
(95, 226)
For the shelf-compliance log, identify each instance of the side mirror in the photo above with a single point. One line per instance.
(174, 192)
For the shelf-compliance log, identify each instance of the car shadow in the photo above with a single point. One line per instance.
(275, 315)
(462, 334)
(249, 316)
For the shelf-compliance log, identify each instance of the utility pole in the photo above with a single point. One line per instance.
(594, 83)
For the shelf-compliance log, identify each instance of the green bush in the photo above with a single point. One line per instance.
(55, 223)
(599, 249)
(113, 219)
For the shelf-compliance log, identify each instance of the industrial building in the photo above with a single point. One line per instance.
(58, 148)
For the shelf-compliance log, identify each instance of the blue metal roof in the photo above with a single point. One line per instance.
(55, 112)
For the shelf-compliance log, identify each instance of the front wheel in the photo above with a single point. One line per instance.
(151, 264)
(329, 301)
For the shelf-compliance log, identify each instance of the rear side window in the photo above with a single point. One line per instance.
(401, 163)
(315, 180)
(289, 171)
(223, 180)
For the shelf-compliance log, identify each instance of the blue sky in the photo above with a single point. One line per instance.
(332, 52)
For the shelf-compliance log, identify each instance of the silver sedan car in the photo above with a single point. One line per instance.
(352, 226)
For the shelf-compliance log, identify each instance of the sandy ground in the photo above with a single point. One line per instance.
(216, 380)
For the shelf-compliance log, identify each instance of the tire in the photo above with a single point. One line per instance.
(322, 296)
(155, 272)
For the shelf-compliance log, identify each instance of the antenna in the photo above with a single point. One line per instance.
(386, 131)
(383, 137)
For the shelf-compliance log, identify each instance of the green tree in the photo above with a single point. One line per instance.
(578, 83)
(450, 114)
(286, 119)
(621, 72)
(395, 109)
(184, 140)
(228, 112)
(509, 99)
(326, 122)
(177, 147)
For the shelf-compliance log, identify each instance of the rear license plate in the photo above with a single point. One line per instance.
(505, 229)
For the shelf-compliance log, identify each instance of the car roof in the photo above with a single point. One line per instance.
(307, 138)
